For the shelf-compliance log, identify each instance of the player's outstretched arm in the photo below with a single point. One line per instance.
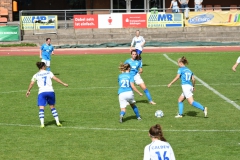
(135, 89)
(174, 80)
(29, 88)
(234, 67)
(59, 81)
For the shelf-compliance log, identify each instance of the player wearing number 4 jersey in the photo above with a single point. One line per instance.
(188, 82)
(46, 93)
(136, 70)
(159, 149)
(125, 91)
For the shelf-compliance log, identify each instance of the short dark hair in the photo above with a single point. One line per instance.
(48, 39)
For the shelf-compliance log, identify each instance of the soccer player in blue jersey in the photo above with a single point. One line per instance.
(188, 83)
(159, 149)
(125, 91)
(45, 53)
(46, 93)
(136, 70)
(139, 42)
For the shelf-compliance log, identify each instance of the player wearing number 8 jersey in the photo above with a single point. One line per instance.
(46, 93)
(188, 83)
(159, 149)
(125, 91)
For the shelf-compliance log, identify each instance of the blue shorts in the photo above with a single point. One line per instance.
(138, 51)
(45, 98)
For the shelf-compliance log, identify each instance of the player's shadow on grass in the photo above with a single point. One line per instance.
(192, 113)
(53, 122)
(145, 65)
(129, 118)
(142, 101)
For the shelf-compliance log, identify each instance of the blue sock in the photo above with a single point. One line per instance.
(48, 69)
(180, 108)
(197, 105)
(148, 95)
(122, 113)
(135, 110)
(54, 112)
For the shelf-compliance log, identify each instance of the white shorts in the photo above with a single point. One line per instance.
(137, 79)
(187, 91)
(125, 98)
(47, 62)
(238, 60)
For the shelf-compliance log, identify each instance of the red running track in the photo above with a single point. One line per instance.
(18, 51)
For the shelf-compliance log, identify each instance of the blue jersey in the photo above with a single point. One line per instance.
(124, 81)
(135, 65)
(47, 51)
(185, 75)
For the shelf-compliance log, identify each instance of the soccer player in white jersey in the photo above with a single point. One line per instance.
(46, 93)
(136, 70)
(188, 83)
(159, 148)
(139, 42)
(234, 67)
(125, 91)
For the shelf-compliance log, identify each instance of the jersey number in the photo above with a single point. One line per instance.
(188, 76)
(45, 79)
(164, 156)
(125, 83)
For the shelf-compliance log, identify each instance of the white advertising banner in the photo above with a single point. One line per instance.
(110, 21)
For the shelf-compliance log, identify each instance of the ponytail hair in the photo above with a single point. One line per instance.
(124, 67)
(40, 65)
(183, 60)
(156, 132)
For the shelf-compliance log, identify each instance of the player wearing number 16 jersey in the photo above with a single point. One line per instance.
(46, 93)
(188, 82)
(159, 149)
(125, 91)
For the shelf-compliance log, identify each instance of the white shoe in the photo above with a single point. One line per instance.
(139, 118)
(178, 116)
(205, 111)
(121, 119)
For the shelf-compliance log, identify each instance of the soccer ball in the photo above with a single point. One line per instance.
(159, 114)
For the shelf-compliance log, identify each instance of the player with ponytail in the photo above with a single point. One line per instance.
(125, 91)
(46, 93)
(188, 83)
(159, 148)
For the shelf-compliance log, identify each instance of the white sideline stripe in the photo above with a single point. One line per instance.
(209, 87)
(115, 129)
(233, 84)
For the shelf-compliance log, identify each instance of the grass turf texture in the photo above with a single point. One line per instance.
(89, 109)
(19, 45)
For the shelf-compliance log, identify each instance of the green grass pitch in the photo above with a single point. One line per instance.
(89, 109)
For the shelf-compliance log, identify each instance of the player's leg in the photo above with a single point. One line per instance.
(48, 65)
(133, 105)
(138, 80)
(41, 104)
(123, 104)
(180, 106)
(139, 55)
(51, 102)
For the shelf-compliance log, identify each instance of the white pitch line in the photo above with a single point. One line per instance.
(209, 87)
(115, 129)
(160, 85)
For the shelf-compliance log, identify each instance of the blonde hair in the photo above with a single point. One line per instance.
(124, 67)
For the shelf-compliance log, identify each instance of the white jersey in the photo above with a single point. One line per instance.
(158, 150)
(44, 81)
(138, 42)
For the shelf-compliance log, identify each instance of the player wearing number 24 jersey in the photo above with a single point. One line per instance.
(46, 93)
(188, 83)
(125, 91)
(159, 148)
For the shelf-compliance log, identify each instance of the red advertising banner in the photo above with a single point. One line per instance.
(134, 20)
(85, 21)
